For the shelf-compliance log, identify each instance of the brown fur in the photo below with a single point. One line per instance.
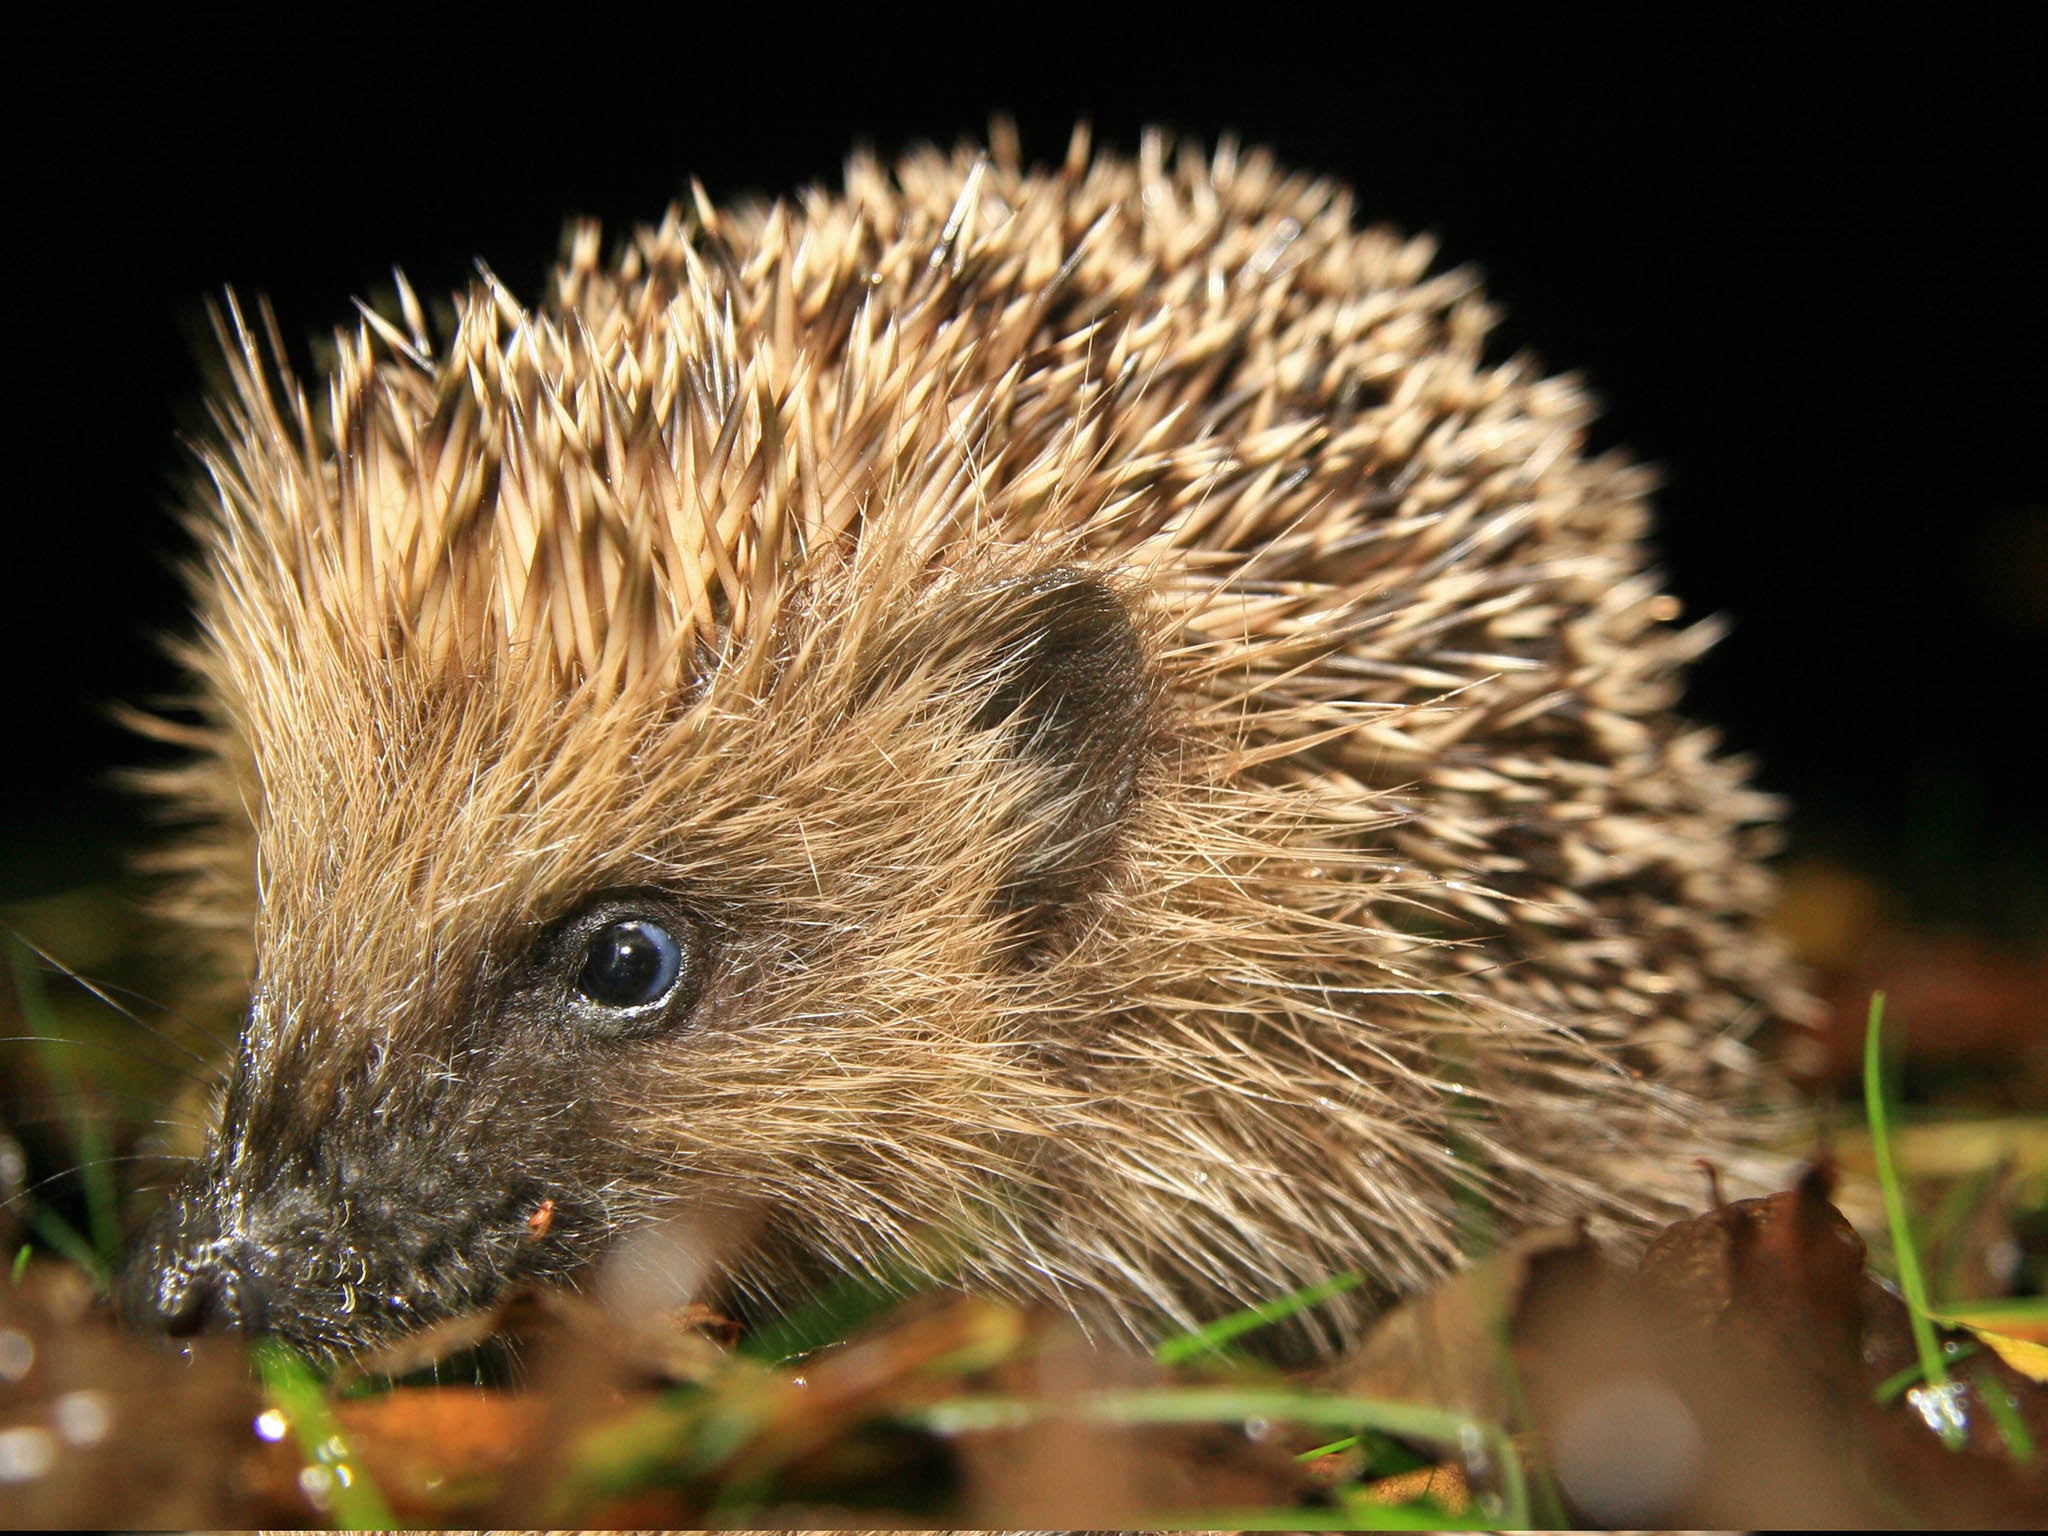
(1388, 886)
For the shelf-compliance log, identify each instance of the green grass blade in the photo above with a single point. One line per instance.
(1279, 1405)
(1932, 1366)
(59, 1236)
(830, 1317)
(1912, 1375)
(1994, 1310)
(1353, 1517)
(2005, 1417)
(1212, 1337)
(297, 1394)
(88, 1135)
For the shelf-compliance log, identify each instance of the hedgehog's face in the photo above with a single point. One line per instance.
(773, 958)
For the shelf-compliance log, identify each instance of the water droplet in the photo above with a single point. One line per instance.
(26, 1454)
(271, 1425)
(1941, 1408)
(2003, 1259)
(1474, 1455)
(82, 1418)
(1629, 1450)
(17, 1354)
(316, 1483)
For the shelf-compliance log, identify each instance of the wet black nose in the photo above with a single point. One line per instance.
(183, 1289)
(212, 1295)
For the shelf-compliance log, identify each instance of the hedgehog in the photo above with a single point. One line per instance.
(1061, 728)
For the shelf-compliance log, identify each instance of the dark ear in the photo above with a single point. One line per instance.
(1064, 679)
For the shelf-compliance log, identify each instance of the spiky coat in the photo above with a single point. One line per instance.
(1376, 888)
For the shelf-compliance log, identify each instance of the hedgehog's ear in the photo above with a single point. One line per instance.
(1061, 675)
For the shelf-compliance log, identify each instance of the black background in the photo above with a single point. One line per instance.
(1794, 254)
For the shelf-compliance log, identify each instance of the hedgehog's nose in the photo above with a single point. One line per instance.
(210, 1295)
(184, 1289)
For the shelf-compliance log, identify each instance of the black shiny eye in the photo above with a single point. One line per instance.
(631, 963)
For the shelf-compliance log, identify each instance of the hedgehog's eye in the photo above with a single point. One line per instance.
(630, 963)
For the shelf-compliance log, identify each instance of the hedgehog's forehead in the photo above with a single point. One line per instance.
(468, 798)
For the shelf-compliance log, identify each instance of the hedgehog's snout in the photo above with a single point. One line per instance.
(183, 1279)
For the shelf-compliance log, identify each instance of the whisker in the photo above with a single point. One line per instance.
(164, 1188)
(80, 1169)
(52, 965)
(108, 990)
(117, 1047)
(144, 1123)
